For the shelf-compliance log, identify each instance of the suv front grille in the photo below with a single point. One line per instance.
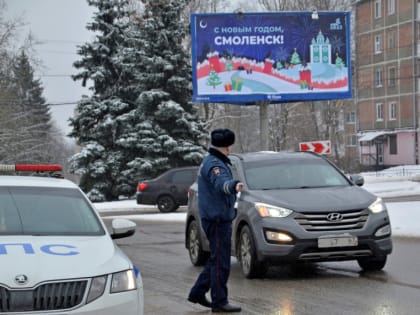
(48, 296)
(317, 221)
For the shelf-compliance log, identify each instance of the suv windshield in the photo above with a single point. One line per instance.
(46, 211)
(290, 174)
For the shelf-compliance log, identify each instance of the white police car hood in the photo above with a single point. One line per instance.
(44, 258)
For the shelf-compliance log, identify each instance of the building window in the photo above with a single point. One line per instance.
(350, 117)
(417, 70)
(392, 111)
(391, 76)
(393, 144)
(379, 112)
(378, 9)
(391, 40)
(378, 77)
(378, 44)
(391, 7)
(418, 26)
(352, 140)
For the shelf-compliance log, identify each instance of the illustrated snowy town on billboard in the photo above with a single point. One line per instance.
(317, 68)
(323, 73)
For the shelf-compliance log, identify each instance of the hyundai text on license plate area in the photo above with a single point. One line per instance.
(344, 240)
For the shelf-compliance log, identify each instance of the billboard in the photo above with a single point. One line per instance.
(244, 58)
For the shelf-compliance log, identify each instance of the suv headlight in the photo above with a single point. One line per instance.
(266, 210)
(377, 206)
(123, 281)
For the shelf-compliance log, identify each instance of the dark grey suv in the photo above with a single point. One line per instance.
(169, 190)
(297, 207)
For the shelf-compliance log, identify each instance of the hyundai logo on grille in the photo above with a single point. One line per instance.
(334, 217)
(21, 279)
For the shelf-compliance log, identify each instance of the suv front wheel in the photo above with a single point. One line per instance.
(372, 263)
(198, 256)
(247, 256)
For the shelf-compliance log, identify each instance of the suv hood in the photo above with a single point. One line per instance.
(317, 199)
(43, 258)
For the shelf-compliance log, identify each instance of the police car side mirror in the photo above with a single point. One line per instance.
(122, 228)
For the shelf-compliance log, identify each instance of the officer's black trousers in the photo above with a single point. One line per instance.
(215, 275)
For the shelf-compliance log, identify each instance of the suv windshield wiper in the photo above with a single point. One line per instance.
(277, 188)
(313, 186)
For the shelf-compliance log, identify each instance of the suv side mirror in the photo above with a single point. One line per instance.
(357, 179)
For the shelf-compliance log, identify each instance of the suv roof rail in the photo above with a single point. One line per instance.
(37, 168)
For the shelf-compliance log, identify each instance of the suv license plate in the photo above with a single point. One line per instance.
(337, 241)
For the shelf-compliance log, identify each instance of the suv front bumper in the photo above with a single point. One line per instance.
(308, 250)
(304, 244)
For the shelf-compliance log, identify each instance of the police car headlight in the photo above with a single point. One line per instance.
(266, 210)
(123, 281)
(377, 206)
(97, 287)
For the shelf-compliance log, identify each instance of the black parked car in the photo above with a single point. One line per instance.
(297, 207)
(169, 190)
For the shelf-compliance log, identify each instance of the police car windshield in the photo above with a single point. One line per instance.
(292, 174)
(46, 211)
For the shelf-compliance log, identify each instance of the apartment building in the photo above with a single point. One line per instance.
(387, 81)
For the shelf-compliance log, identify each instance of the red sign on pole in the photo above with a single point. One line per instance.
(320, 147)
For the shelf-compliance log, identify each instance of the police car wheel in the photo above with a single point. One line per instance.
(250, 266)
(166, 204)
(198, 256)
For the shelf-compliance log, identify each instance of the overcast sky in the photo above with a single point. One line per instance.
(60, 25)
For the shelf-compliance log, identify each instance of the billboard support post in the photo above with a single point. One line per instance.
(264, 138)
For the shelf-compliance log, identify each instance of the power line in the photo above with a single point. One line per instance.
(55, 75)
(44, 41)
(58, 52)
(61, 104)
(6, 101)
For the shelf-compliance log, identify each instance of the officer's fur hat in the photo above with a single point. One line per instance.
(222, 137)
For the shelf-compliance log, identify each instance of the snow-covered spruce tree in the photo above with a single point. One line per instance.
(122, 142)
(100, 161)
(29, 93)
(29, 122)
(166, 130)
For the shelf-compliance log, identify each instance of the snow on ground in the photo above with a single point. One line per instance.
(405, 216)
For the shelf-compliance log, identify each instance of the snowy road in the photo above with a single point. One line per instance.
(323, 288)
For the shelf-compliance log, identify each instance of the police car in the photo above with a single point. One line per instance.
(56, 254)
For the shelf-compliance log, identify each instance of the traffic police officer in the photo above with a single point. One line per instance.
(216, 199)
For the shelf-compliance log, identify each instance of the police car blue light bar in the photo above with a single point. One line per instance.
(30, 168)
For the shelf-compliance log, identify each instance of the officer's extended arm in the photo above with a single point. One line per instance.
(222, 181)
